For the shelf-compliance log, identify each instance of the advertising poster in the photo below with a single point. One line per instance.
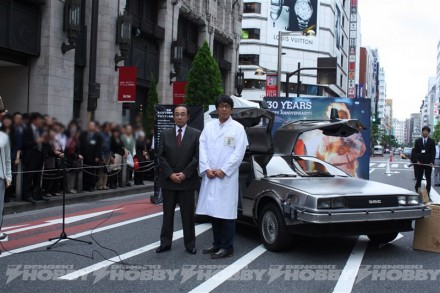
(271, 85)
(350, 154)
(294, 16)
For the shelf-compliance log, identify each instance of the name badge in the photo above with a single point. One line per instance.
(423, 151)
(93, 142)
(229, 141)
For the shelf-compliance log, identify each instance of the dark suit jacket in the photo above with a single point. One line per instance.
(90, 149)
(32, 155)
(174, 159)
(425, 154)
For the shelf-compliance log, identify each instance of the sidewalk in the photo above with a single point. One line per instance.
(13, 206)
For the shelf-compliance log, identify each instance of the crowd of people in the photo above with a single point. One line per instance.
(46, 150)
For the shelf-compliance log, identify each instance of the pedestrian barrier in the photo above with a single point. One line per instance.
(80, 169)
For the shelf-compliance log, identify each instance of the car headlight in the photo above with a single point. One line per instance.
(331, 203)
(408, 200)
(412, 200)
(401, 199)
(324, 203)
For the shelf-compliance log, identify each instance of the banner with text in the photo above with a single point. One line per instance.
(127, 84)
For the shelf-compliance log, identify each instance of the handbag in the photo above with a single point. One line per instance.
(136, 163)
(130, 161)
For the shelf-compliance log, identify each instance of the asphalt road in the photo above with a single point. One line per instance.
(125, 231)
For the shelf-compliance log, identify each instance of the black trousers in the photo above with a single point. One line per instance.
(89, 177)
(224, 233)
(428, 171)
(31, 180)
(185, 198)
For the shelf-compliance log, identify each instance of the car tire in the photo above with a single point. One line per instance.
(382, 238)
(273, 230)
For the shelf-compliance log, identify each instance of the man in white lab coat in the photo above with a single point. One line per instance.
(222, 146)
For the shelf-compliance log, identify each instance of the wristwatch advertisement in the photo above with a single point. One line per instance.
(303, 11)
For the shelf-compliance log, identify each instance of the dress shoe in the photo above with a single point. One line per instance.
(30, 199)
(222, 253)
(191, 250)
(210, 250)
(161, 249)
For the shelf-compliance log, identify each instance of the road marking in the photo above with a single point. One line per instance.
(351, 269)
(93, 268)
(229, 271)
(394, 165)
(372, 170)
(381, 165)
(13, 227)
(372, 164)
(81, 234)
(59, 221)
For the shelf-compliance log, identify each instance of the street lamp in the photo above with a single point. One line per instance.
(123, 37)
(239, 80)
(71, 23)
(307, 32)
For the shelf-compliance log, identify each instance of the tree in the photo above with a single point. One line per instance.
(375, 134)
(204, 79)
(152, 100)
(436, 134)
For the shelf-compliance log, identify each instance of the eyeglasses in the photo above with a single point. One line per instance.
(225, 107)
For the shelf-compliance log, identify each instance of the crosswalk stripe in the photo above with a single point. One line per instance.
(394, 165)
(382, 165)
(372, 164)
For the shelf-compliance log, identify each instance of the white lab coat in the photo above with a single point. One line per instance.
(221, 147)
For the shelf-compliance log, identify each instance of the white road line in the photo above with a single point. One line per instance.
(87, 270)
(372, 164)
(13, 227)
(81, 234)
(381, 165)
(394, 165)
(350, 271)
(372, 170)
(59, 221)
(229, 271)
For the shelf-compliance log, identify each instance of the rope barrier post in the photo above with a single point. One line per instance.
(124, 172)
(19, 182)
(79, 177)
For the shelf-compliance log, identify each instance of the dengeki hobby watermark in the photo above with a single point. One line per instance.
(274, 273)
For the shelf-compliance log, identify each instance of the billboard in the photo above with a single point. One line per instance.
(352, 50)
(271, 85)
(294, 16)
(350, 154)
(127, 84)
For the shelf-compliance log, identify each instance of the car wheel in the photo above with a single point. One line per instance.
(273, 229)
(383, 238)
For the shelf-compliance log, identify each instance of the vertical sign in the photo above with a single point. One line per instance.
(271, 85)
(352, 50)
(179, 92)
(127, 84)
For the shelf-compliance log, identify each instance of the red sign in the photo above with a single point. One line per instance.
(179, 92)
(271, 85)
(127, 84)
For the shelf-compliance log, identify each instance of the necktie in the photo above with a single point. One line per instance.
(179, 137)
(424, 142)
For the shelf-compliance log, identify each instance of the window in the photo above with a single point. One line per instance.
(250, 33)
(252, 7)
(248, 59)
(342, 60)
(343, 21)
(340, 80)
(254, 84)
(342, 41)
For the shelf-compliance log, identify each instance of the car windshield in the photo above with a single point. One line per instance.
(292, 166)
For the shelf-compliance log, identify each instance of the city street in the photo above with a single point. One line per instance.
(124, 232)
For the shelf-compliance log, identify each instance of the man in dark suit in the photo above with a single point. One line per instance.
(425, 153)
(178, 160)
(90, 144)
(32, 158)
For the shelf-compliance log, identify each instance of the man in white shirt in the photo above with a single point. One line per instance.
(5, 174)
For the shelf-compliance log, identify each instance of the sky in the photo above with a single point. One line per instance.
(406, 33)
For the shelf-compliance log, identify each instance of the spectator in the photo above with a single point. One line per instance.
(90, 149)
(33, 158)
(72, 157)
(142, 156)
(8, 128)
(129, 144)
(117, 153)
(53, 162)
(61, 136)
(105, 134)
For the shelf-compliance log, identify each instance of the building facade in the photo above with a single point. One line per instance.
(400, 131)
(35, 75)
(368, 76)
(262, 22)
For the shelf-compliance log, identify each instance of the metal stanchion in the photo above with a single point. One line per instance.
(19, 182)
(79, 177)
(124, 172)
